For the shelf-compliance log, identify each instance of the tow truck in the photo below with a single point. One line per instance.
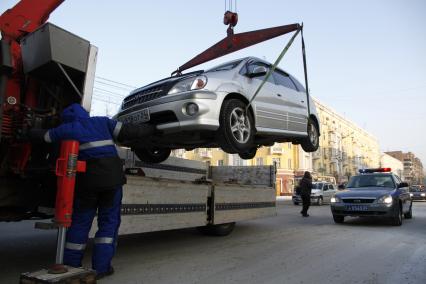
(44, 68)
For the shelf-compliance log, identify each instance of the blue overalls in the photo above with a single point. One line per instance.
(96, 136)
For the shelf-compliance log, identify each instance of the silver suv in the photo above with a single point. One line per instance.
(209, 109)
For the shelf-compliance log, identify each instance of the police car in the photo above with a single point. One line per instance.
(374, 192)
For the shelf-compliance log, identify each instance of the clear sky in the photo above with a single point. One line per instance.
(366, 59)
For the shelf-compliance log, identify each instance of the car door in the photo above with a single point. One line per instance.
(267, 105)
(404, 195)
(293, 100)
(331, 191)
(326, 196)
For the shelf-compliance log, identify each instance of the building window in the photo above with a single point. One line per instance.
(289, 164)
(237, 161)
(259, 161)
(220, 163)
(276, 162)
(289, 145)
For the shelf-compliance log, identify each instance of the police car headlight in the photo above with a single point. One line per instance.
(423, 194)
(411, 195)
(335, 199)
(386, 199)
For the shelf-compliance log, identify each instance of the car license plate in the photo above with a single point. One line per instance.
(356, 207)
(141, 116)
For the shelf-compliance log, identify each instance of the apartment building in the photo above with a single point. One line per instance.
(344, 147)
(413, 167)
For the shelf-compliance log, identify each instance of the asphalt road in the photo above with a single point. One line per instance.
(282, 249)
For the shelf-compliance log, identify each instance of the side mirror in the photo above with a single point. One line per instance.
(402, 184)
(258, 71)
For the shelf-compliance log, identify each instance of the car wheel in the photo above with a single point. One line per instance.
(153, 155)
(217, 230)
(248, 155)
(311, 143)
(338, 219)
(409, 214)
(296, 203)
(397, 219)
(320, 201)
(236, 129)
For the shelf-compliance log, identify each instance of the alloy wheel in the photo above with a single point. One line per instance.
(240, 125)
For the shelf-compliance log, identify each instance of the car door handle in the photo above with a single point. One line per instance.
(279, 95)
(302, 101)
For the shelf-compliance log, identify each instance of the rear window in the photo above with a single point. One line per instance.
(376, 180)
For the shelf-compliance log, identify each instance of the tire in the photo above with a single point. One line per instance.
(338, 219)
(236, 131)
(409, 214)
(248, 155)
(296, 203)
(217, 230)
(397, 219)
(154, 155)
(311, 143)
(320, 201)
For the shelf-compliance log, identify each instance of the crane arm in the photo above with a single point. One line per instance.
(25, 17)
(235, 42)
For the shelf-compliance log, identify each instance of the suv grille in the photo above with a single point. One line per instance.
(358, 200)
(144, 96)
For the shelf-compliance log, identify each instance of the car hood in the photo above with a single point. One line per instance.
(370, 192)
(168, 81)
(314, 191)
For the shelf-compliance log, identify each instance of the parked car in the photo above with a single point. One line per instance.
(209, 109)
(376, 193)
(417, 192)
(321, 192)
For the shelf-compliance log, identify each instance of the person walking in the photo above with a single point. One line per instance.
(99, 189)
(305, 186)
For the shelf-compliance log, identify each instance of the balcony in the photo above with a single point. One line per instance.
(276, 149)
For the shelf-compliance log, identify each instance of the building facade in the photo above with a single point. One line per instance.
(413, 168)
(344, 147)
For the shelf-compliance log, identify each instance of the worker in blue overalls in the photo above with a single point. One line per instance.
(99, 189)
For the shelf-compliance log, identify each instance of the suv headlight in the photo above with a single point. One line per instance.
(423, 194)
(386, 199)
(190, 84)
(335, 199)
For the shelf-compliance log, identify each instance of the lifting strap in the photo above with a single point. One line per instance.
(278, 60)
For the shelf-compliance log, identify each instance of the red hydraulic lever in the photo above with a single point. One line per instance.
(234, 42)
(67, 166)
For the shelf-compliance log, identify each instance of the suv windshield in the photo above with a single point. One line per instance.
(225, 67)
(317, 185)
(375, 180)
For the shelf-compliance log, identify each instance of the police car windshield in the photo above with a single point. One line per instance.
(371, 180)
(317, 185)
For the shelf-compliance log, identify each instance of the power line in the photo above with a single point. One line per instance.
(119, 83)
(111, 85)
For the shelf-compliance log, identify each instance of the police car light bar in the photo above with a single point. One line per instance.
(378, 170)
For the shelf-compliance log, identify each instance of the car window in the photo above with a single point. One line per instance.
(326, 187)
(365, 181)
(253, 65)
(330, 186)
(299, 86)
(283, 79)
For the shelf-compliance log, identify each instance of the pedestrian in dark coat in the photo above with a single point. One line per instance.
(305, 189)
